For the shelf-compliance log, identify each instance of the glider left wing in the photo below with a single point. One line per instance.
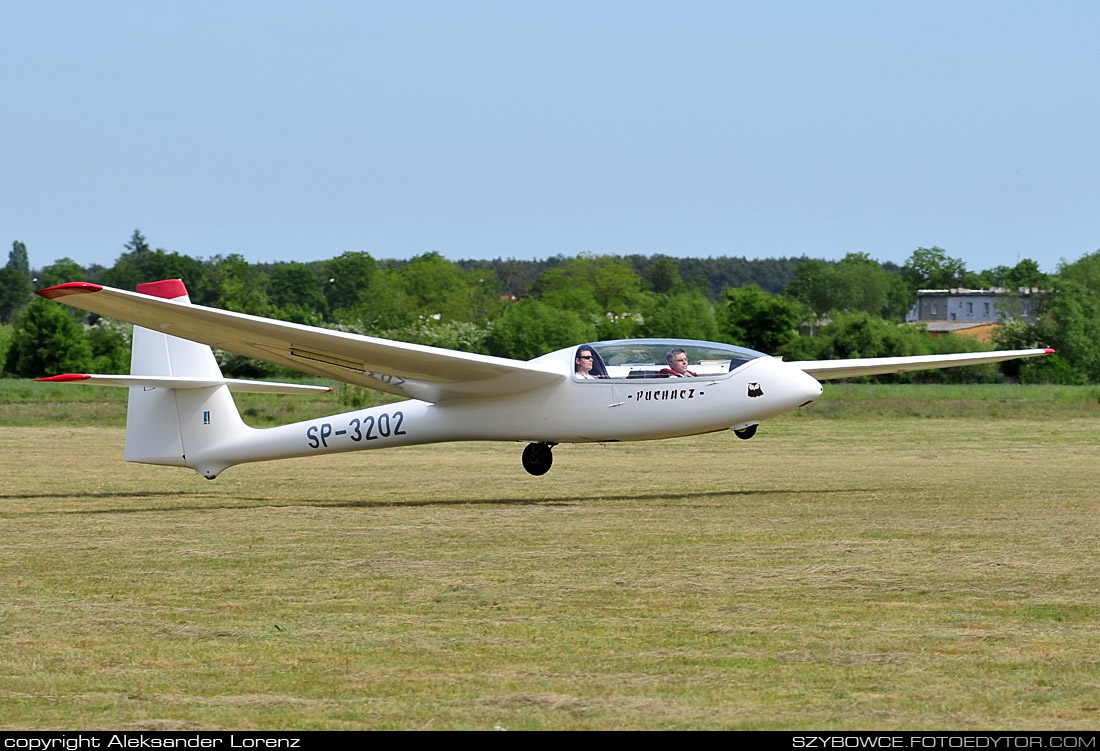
(412, 370)
(825, 370)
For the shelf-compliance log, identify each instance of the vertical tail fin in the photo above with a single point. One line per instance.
(164, 425)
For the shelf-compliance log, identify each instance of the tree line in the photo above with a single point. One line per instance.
(800, 308)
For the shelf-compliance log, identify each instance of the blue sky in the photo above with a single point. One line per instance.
(296, 131)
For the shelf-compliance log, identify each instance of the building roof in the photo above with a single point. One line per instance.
(948, 327)
(990, 291)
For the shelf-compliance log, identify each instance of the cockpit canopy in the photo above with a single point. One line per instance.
(645, 358)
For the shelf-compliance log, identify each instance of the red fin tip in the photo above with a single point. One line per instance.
(169, 289)
(65, 377)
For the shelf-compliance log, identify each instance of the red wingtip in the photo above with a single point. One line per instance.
(169, 289)
(1050, 351)
(65, 378)
(70, 288)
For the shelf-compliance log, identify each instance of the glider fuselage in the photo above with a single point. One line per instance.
(568, 411)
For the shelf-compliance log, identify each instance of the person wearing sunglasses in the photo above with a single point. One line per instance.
(584, 361)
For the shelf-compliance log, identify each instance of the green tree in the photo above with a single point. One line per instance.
(296, 294)
(663, 275)
(437, 287)
(137, 244)
(857, 282)
(932, 268)
(1017, 333)
(1085, 271)
(346, 279)
(5, 340)
(59, 272)
(752, 318)
(1070, 320)
(531, 328)
(384, 306)
(948, 344)
(110, 344)
(129, 268)
(16, 287)
(729, 272)
(592, 285)
(18, 259)
(231, 283)
(485, 298)
(1026, 273)
(618, 288)
(560, 289)
(46, 341)
(15, 292)
(856, 334)
(872, 288)
(1074, 327)
(686, 314)
(140, 264)
(812, 287)
(465, 336)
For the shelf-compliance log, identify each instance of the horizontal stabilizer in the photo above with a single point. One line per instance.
(235, 385)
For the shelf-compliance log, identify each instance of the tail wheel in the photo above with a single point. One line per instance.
(537, 458)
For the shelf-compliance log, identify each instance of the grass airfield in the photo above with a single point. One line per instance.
(894, 557)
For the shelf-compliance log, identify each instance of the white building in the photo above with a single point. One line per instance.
(974, 305)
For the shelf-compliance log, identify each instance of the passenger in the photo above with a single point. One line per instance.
(677, 361)
(584, 363)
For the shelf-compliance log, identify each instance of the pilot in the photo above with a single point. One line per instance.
(583, 368)
(677, 360)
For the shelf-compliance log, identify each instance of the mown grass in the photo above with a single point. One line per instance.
(956, 400)
(835, 572)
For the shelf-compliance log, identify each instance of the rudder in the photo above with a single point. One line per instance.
(164, 424)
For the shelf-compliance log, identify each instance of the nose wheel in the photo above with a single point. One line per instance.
(537, 458)
(746, 433)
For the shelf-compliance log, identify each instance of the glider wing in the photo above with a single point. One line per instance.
(429, 373)
(824, 370)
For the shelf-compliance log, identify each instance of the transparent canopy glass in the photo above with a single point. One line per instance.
(645, 358)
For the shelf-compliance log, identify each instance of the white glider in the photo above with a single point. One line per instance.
(181, 412)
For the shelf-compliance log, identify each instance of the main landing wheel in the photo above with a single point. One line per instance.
(537, 458)
(746, 433)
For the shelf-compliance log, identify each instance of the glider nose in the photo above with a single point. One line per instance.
(809, 386)
(801, 387)
(781, 387)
